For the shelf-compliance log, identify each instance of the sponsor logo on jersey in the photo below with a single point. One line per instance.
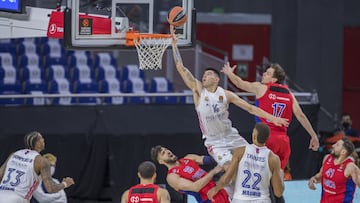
(134, 199)
(272, 96)
(221, 99)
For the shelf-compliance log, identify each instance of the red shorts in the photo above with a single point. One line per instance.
(221, 197)
(279, 143)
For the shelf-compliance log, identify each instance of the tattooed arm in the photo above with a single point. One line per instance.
(42, 165)
(190, 81)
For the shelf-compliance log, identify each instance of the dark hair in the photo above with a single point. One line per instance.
(30, 139)
(147, 169)
(348, 146)
(154, 152)
(214, 70)
(279, 73)
(263, 132)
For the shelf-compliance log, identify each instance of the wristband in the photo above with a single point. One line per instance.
(208, 160)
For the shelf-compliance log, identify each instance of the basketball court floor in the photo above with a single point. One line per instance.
(298, 192)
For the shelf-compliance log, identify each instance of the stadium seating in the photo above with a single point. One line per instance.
(8, 74)
(81, 73)
(102, 59)
(7, 59)
(52, 49)
(89, 87)
(29, 59)
(78, 58)
(31, 73)
(135, 85)
(28, 47)
(55, 72)
(162, 85)
(132, 71)
(11, 89)
(7, 46)
(106, 72)
(60, 86)
(34, 88)
(111, 85)
(186, 99)
(43, 66)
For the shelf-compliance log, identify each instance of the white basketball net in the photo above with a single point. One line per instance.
(150, 52)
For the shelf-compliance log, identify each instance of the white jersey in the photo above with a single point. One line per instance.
(44, 197)
(20, 176)
(214, 120)
(253, 176)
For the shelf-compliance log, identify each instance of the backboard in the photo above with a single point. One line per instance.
(103, 23)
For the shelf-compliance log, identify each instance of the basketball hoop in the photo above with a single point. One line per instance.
(150, 48)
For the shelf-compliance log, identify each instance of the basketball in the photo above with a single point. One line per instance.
(177, 16)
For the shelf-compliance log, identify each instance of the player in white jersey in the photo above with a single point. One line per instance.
(255, 168)
(212, 103)
(21, 173)
(41, 195)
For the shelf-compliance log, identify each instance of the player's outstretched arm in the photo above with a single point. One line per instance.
(317, 177)
(163, 196)
(43, 165)
(304, 121)
(233, 98)
(190, 81)
(179, 183)
(277, 181)
(238, 82)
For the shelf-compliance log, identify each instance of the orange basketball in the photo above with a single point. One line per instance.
(177, 16)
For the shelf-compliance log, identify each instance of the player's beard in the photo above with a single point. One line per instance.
(332, 152)
(171, 160)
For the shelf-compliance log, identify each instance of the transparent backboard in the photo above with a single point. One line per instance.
(104, 23)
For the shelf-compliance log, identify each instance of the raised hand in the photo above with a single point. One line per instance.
(226, 69)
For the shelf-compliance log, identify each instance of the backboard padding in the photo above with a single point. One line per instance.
(103, 23)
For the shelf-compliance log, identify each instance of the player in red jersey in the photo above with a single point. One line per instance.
(146, 191)
(338, 175)
(185, 175)
(275, 98)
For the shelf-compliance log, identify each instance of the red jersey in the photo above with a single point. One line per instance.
(143, 193)
(335, 186)
(278, 102)
(190, 170)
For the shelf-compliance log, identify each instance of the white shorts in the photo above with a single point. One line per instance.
(251, 201)
(221, 155)
(221, 149)
(7, 196)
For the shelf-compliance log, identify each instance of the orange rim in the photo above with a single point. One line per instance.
(132, 35)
